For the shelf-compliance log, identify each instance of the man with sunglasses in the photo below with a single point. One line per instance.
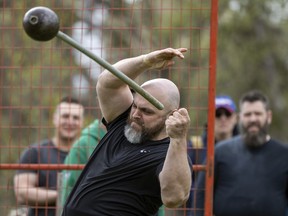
(225, 118)
(250, 170)
(225, 127)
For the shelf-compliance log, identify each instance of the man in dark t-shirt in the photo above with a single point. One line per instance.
(37, 188)
(251, 170)
(116, 174)
(142, 161)
(43, 153)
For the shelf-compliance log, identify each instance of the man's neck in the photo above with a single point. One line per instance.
(61, 144)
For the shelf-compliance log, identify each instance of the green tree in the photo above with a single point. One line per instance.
(251, 53)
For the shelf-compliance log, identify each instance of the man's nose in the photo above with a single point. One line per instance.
(136, 114)
(253, 118)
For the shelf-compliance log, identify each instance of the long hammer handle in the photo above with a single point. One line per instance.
(112, 69)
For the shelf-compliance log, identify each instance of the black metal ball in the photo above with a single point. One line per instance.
(41, 23)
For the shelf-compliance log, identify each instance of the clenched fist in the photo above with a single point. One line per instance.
(177, 124)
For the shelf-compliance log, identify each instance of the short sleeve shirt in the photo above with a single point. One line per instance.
(43, 153)
(120, 178)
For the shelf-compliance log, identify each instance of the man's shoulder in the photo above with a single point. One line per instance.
(279, 144)
(232, 143)
(35, 151)
(42, 143)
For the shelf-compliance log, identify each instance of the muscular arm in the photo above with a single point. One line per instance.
(114, 95)
(175, 177)
(27, 192)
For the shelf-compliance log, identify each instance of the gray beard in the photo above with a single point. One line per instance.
(132, 135)
(145, 134)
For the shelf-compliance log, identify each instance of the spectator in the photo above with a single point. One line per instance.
(37, 188)
(251, 169)
(142, 161)
(79, 154)
(225, 127)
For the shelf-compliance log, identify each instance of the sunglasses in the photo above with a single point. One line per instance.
(221, 112)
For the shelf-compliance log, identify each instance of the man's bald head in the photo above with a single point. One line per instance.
(165, 91)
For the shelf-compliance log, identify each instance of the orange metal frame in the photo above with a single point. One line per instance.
(208, 206)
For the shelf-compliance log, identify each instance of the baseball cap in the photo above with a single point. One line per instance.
(225, 102)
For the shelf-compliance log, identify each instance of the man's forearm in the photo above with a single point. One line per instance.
(37, 196)
(131, 67)
(175, 178)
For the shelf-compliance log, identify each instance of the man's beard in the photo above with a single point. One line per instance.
(252, 139)
(144, 134)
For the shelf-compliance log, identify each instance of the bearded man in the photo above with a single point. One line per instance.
(251, 170)
(142, 162)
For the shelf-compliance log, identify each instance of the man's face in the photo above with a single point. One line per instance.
(224, 122)
(68, 120)
(145, 122)
(254, 122)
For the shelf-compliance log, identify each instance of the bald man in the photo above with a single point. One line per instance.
(142, 161)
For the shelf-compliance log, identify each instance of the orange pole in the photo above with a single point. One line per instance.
(208, 206)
